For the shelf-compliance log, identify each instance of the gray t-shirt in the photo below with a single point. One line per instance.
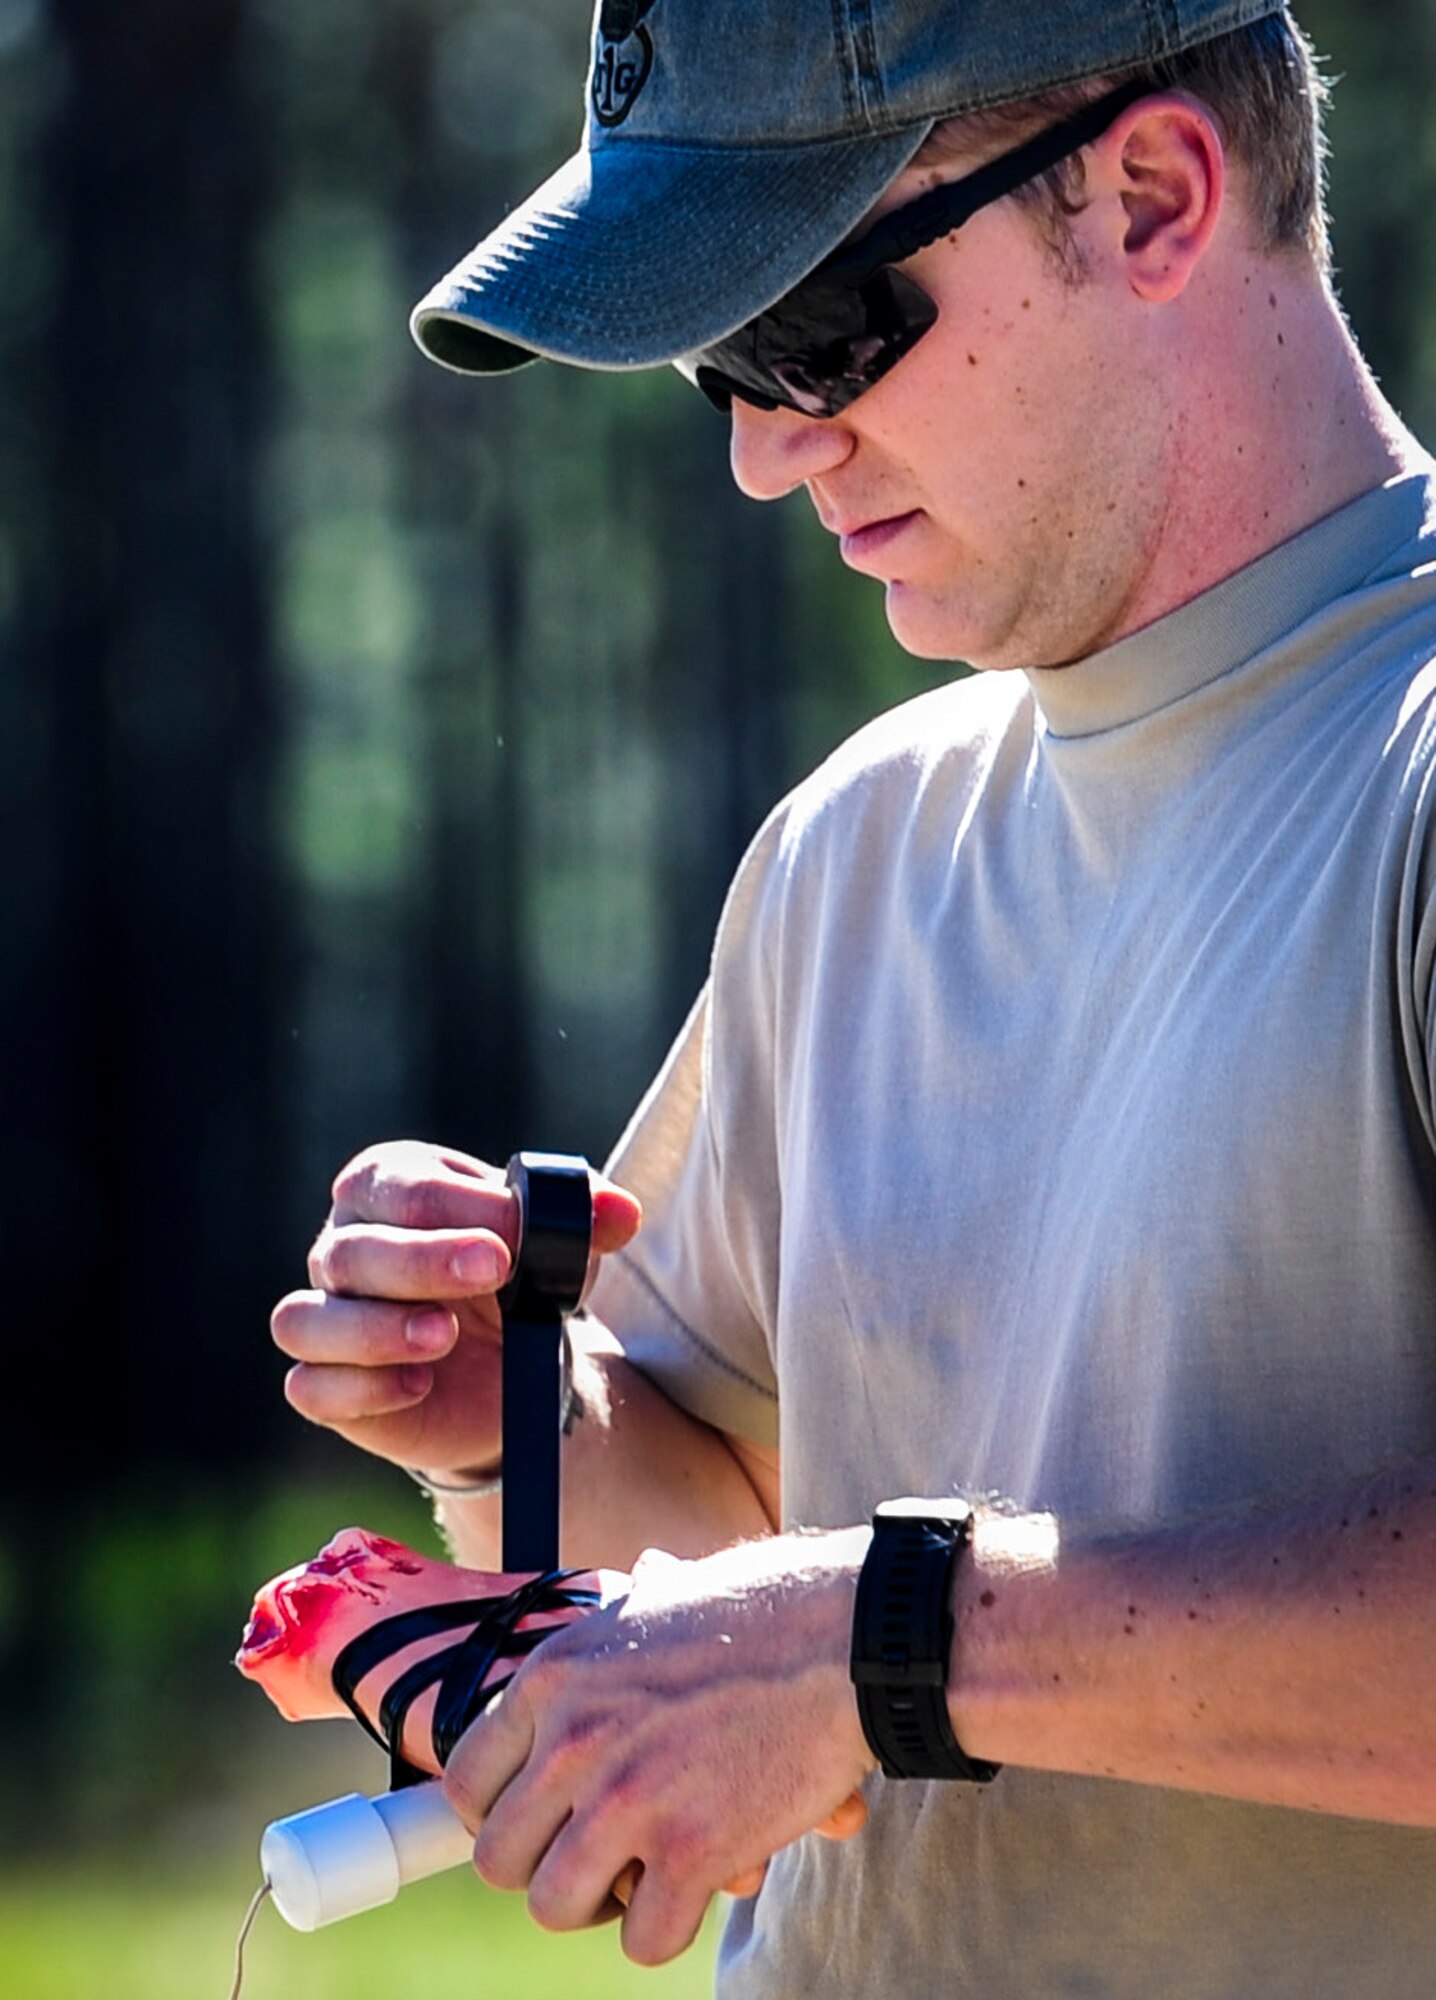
(1058, 1123)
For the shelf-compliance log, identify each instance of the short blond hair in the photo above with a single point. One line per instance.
(1263, 88)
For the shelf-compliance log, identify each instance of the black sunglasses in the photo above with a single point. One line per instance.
(840, 329)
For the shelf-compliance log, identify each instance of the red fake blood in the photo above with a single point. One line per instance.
(357, 1545)
(290, 1613)
(261, 1631)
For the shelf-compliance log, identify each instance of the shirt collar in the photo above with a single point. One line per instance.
(1239, 617)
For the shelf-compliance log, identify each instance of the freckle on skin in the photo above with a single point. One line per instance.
(988, 1599)
(1396, 1535)
(972, 360)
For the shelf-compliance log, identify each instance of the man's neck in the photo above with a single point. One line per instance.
(1279, 423)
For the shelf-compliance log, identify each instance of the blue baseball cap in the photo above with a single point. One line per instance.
(731, 144)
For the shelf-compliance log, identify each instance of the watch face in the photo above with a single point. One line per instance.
(956, 1511)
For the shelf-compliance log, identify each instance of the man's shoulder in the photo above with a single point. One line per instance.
(914, 771)
(949, 737)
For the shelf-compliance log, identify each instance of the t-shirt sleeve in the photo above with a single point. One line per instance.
(1407, 894)
(693, 1300)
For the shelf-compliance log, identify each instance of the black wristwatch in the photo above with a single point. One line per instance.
(902, 1636)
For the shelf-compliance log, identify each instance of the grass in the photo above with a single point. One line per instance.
(171, 1765)
(89, 1934)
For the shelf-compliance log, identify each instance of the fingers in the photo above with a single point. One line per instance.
(382, 1261)
(340, 1396)
(411, 1185)
(663, 1919)
(367, 1333)
(490, 1756)
(572, 1883)
(417, 1186)
(358, 1358)
(617, 1215)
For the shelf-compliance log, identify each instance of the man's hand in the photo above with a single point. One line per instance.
(397, 1346)
(694, 1729)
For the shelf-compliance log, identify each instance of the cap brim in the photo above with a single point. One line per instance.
(637, 252)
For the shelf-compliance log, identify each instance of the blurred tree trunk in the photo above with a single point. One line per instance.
(135, 1181)
(157, 649)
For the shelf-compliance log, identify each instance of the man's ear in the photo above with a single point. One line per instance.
(1165, 161)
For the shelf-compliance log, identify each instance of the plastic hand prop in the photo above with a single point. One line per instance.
(307, 1619)
(414, 1648)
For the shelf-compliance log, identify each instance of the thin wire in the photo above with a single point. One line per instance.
(266, 1888)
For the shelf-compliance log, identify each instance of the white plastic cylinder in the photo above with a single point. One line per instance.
(355, 1853)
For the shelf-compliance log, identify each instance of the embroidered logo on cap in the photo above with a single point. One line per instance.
(623, 61)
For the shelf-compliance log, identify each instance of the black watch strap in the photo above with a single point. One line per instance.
(902, 1637)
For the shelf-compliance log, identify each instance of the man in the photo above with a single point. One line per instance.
(1057, 1124)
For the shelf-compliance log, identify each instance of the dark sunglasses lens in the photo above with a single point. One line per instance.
(720, 389)
(820, 346)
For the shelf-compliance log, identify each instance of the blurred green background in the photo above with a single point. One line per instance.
(376, 748)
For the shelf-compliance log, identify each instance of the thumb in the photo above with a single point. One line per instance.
(617, 1215)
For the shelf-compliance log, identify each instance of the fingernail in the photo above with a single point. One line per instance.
(416, 1381)
(429, 1332)
(476, 1264)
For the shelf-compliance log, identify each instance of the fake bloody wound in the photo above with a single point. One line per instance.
(303, 1619)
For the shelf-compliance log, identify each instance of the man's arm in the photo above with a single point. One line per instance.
(1282, 1658)
(638, 1473)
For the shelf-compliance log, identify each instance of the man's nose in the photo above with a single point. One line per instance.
(774, 451)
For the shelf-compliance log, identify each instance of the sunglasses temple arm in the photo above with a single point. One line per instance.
(920, 222)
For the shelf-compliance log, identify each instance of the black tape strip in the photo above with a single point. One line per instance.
(460, 1669)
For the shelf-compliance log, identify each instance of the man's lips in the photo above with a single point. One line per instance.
(860, 541)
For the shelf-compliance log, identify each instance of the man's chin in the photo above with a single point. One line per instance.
(932, 630)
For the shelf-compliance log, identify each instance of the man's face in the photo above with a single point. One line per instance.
(1003, 481)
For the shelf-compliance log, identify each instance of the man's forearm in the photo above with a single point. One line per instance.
(1283, 1659)
(638, 1472)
